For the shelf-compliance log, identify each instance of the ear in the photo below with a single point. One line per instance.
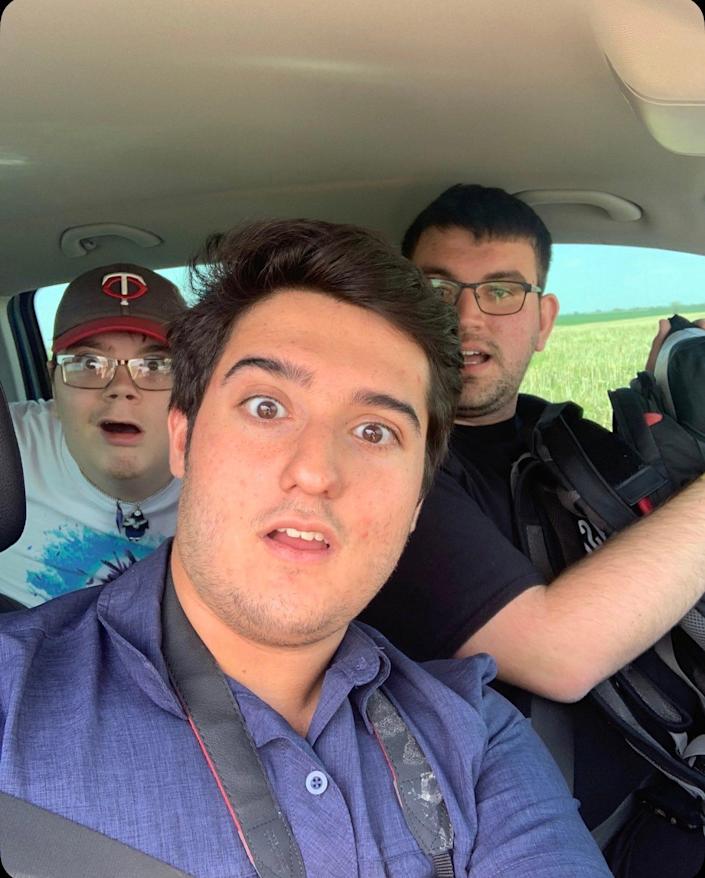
(177, 423)
(548, 311)
(415, 519)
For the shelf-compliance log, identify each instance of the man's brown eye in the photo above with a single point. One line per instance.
(376, 434)
(373, 433)
(267, 409)
(264, 408)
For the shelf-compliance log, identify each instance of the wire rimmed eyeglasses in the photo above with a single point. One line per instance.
(498, 297)
(95, 371)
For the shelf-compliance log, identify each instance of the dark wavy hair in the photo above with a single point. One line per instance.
(488, 214)
(238, 269)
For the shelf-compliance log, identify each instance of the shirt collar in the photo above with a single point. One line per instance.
(129, 608)
(358, 667)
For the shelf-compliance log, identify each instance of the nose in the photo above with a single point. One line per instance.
(469, 313)
(122, 385)
(314, 463)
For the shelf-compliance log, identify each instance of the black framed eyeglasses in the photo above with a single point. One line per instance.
(95, 372)
(498, 297)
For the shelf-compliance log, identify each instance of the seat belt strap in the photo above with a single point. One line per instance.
(221, 732)
(37, 843)
(610, 826)
(553, 723)
(415, 784)
(218, 724)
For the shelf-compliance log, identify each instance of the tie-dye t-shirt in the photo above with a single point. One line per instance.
(74, 535)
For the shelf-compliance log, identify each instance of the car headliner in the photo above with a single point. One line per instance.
(186, 118)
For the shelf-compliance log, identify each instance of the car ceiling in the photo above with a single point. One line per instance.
(184, 118)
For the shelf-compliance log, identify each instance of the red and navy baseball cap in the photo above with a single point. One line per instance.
(116, 298)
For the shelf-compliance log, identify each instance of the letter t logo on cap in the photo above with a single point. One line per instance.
(124, 285)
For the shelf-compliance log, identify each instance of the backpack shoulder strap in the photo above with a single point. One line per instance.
(222, 735)
(556, 441)
(539, 542)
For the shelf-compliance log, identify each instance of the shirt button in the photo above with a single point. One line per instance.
(316, 783)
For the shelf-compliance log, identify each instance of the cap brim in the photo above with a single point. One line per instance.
(138, 325)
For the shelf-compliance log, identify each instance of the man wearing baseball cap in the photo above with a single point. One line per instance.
(100, 495)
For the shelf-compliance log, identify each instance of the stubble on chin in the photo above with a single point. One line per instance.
(482, 398)
(476, 402)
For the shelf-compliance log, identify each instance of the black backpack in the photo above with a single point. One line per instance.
(607, 480)
(657, 446)
(662, 416)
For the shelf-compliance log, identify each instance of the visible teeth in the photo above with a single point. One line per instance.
(308, 535)
(471, 353)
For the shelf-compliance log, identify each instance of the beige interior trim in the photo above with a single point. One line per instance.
(656, 50)
(617, 208)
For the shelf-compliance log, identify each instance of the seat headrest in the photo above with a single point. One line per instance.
(13, 507)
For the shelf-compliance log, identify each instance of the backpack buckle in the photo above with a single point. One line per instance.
(673, 804)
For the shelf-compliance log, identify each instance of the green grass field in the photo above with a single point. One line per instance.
(584, 359)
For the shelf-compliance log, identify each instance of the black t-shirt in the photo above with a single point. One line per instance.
(495, 447)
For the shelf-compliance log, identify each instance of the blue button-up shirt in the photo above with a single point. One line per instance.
(92, 730)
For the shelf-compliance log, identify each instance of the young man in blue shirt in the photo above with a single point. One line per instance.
(314, 388)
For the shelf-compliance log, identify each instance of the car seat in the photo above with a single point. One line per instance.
(13, 507)
(67, 850)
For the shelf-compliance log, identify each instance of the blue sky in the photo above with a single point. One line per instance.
(585, 277)
(588, 277)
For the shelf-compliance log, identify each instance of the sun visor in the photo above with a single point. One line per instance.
(656, 49)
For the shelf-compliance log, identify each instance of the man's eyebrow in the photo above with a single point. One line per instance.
(384, 400)
(91, 342)
(150, 347)
(512, 274)
(274, 366)
(509, 274)
(436, 271)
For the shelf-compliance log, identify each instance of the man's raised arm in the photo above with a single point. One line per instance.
(560, 640)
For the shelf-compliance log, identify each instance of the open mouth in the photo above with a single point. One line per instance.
(120, 428)
(303, 540)
(474, 358)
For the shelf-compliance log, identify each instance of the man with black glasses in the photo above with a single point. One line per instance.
(466, 585)
(99, 491)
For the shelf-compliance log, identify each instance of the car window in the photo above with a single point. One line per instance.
(611, 299)
(46, 300)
